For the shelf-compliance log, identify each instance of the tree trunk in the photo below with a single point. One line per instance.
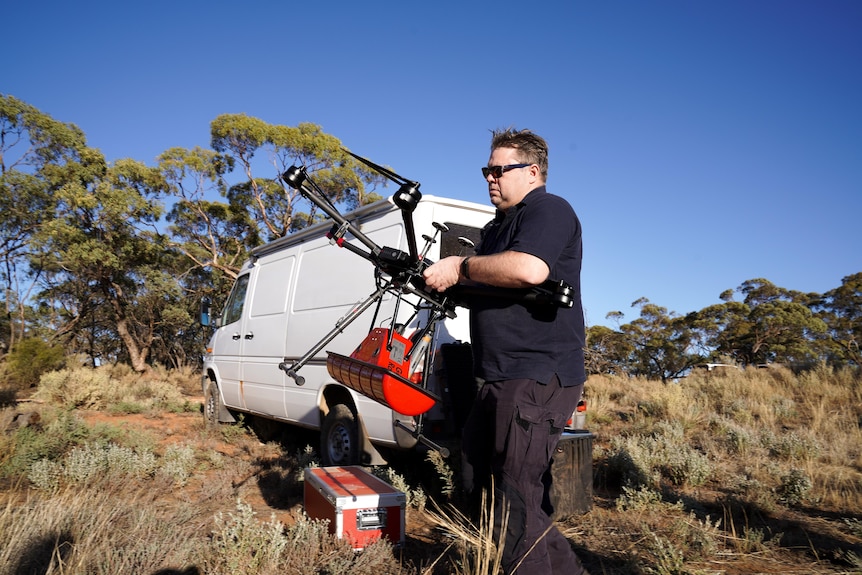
(137, 354)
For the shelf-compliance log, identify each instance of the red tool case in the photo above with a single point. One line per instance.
(359, 506)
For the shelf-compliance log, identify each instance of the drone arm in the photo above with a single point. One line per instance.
(295, 178)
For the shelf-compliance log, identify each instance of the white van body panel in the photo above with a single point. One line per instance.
(296, 290)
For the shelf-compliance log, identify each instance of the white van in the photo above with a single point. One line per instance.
(292, 292)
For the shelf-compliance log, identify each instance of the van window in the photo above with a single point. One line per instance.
(233, 308)
(449, 244)
(272, 287)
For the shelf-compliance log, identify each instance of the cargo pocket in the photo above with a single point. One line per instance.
(528, 445)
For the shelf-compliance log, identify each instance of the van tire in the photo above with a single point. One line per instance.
(212, 406)
(339, 437)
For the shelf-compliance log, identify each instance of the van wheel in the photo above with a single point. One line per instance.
(339, 437)
(212, 406)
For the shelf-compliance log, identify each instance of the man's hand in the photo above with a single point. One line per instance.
(442, 275)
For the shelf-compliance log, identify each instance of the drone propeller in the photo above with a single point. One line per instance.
(408, 195)
(380, 169)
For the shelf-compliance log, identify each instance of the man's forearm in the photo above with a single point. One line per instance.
(508, 269)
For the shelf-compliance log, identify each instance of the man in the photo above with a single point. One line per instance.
(528, 356)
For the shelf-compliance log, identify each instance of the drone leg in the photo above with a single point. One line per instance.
(340, 327)
(422, 439)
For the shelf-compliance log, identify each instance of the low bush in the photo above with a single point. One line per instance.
(29, 359)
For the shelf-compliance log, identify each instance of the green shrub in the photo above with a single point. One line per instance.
(29, 359)
(241, 543)
(793, 446)
(75, 388)
(26, 445)
(178, 463)
(92, 463)
(638, 499)
(107, 386)
(416, 498)
(642, 460)
(794, 487)
(668, 558)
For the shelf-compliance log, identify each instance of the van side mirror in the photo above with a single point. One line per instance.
(206, 306)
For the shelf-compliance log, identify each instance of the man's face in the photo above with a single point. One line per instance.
(510, 188)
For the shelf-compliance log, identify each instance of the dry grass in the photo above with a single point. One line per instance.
(752, 472)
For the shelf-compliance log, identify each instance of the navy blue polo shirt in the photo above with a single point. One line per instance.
(513, 339)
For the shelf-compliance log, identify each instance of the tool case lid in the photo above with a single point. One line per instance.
(351, 482)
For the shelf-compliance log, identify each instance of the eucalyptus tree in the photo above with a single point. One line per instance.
(273, 206)
(770, 324)
(33, 147)
(209, 232)
(607, 351)
(103, 253)
(661, 343)
(230, 199)
(841, 311)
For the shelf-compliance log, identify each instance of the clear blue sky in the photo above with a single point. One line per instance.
(702, 143)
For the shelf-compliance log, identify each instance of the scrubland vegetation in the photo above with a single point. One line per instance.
(754, 471)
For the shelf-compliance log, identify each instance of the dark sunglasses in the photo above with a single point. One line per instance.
(498, 171)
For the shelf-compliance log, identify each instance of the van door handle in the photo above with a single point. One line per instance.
(249, 335)
(235, 336)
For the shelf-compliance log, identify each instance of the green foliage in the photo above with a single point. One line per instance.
(30, 359)
(638, 499)
(265, 201)
(243, 544)
(795, 486)
(643, 460)
(771, 324)
(607, 351)
(667, 558)
(416, 498)
(92, 463)
(116, 286)
(793, 446)
(60, 431)
(106, 387)
(444, 472)
(178, 463)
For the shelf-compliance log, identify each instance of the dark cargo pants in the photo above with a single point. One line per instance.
(511, 434)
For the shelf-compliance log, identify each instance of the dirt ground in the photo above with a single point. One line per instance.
(260, 473)
(264, 474)
(188, 429)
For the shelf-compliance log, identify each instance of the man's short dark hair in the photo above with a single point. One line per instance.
(531, 147)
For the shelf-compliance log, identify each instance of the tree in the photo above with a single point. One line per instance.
(211, 234)
(607, 351)
(103, 246)
(841, 311)
(267, 200)
(661, 342)
(33, 146)
(216, 236)
(718, 328)
(771, 324)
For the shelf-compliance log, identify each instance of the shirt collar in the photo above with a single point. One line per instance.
(501, 215)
